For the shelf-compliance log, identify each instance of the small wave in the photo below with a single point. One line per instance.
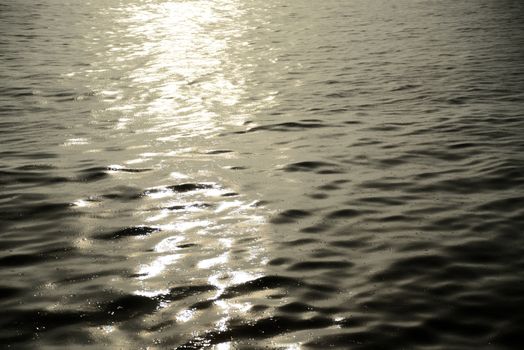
(128, 232)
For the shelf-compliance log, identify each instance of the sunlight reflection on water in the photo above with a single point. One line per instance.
(176, 55)
(236, 174)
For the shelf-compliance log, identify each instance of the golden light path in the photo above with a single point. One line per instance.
(171, 86)
(188, 91)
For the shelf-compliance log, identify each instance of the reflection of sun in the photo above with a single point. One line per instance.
(222, 346)
(184, 87)
(184, 64)
(157, 266)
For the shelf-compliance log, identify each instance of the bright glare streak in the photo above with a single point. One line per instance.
(169, 244)
(206, 264)
(151, 294)
(222, 346)
(157, 266)
(185, 315)
(228, 205)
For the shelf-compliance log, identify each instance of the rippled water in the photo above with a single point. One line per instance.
(262, 174)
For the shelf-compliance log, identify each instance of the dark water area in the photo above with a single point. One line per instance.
(262, 174)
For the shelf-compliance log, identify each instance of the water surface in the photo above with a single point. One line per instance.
(261, 174)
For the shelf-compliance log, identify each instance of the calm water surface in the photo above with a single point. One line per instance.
(240, 174)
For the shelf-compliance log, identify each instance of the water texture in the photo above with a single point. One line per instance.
(232, 174)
